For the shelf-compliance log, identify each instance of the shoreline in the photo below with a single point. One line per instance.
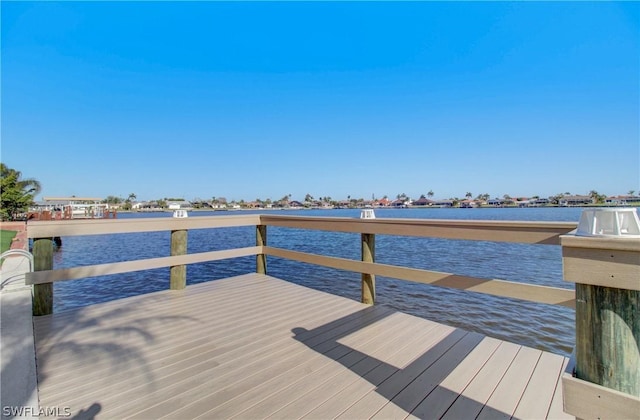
(634, 205)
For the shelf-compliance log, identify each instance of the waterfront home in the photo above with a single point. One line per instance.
(468, 204)
(399, 203)
(180, 205)
(542, 202)
(423, 201)
(496, 202)
(576, 200)
(525, 202)
(443, 203)
(622, 200)
(295, 204)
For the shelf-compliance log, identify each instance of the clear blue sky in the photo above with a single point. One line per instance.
(259, 100)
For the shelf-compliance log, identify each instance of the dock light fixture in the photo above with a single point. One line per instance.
(367, 214)
(613, 222)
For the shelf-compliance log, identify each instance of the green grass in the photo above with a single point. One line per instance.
(6, 236)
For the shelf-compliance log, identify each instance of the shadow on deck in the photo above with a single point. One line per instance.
(254, 347)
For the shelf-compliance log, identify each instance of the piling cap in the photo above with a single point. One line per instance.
(609, 222)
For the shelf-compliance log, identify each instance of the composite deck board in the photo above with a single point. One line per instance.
(203, 334)
(268, 398)
(254, 346)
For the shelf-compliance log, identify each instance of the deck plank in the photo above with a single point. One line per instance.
(190, 336)
(413, 394)
(315, 393)
(374, 401)
(439, 401)
(505, 398)
(541, 387)
(398, 357)
(254, 346)
(273, 395)
(473, 398)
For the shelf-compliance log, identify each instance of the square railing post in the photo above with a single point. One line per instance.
(261, 240)
(368, 241)
(178, 277)
(42, 260)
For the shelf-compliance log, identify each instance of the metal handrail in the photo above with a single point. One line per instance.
(22, 253)
(19, 252)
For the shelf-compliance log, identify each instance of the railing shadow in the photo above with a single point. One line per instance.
(93, 338)
(404, 387)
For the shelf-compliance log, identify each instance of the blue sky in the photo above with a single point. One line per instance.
(254, 100)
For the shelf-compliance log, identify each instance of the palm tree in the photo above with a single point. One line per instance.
(597, 197)
(430, 194)
(27, 186)
(16, 194)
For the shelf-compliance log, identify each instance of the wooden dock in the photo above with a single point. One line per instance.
(255, 346)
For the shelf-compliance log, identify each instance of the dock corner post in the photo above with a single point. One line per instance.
(261, 240)
(606, 378)
(368, 241)
(42, 260)
(178, 278)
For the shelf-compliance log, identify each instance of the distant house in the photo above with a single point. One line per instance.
(179, 205)
(443, 203)
(496, 202)
(622, 200)
(422, 201)
(525, 202)
(295, 203)
(576, 200)
(468, 204)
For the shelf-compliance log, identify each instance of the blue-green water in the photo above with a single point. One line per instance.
(536, 325)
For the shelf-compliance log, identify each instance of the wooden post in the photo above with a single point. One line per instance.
(368, 241)
(42, 260)
(607, 354)
(261, 240)
(178, 279)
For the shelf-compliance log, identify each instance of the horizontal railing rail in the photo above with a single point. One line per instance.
(544, 233)
(480, 230)
(75, 273)
(37, 229)
(502, 288)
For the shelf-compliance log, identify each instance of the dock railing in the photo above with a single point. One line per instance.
(546, 233)
(583, 260)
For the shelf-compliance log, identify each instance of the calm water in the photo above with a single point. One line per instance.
(536, 325)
